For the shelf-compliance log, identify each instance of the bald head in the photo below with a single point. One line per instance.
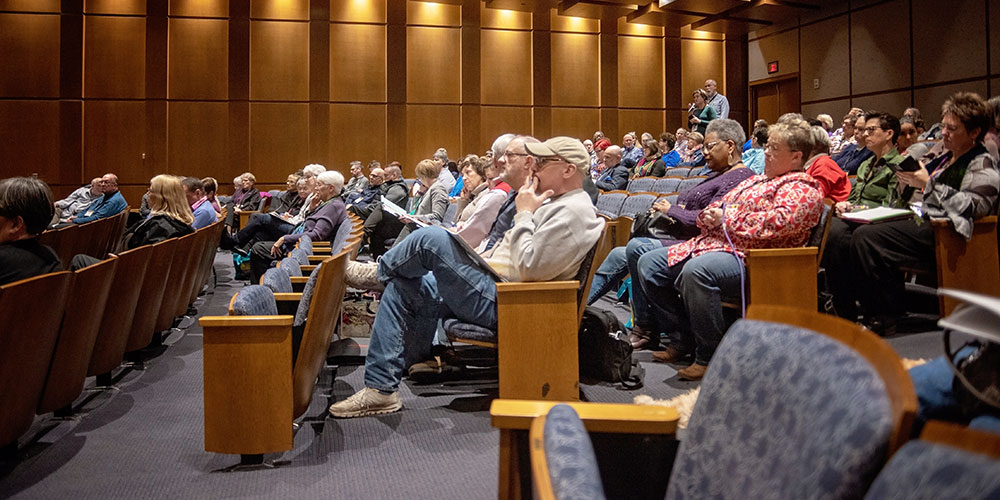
(612, 156)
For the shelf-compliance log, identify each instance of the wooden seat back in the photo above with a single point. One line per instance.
(96, 242)
(151, 295)
(190, 274)
(182, 259)
(78, 334)
(119, 311)
(117, 232)
(966, 265)
(72, 241)
(28, 338)
(211, 244)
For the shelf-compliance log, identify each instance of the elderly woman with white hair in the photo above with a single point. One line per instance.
(320, 225)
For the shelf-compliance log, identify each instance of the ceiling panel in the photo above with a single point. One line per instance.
(595, 9)
(651, 14)
(702, 6)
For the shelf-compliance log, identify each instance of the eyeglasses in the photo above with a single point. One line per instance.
(771, 148)
(871, 130)
(542, 162)
(510, 155)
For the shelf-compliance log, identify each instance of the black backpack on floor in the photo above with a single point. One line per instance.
(604, 350)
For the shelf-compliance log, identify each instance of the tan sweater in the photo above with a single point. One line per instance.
(550, 244)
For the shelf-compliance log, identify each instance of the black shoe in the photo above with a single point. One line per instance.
(641, 339)
(882, 324)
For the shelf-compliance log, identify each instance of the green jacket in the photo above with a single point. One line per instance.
(876, 182)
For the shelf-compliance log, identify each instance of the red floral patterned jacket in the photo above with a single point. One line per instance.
(759, 213)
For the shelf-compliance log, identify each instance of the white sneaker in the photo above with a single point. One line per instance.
(367, 401)
(362, 275)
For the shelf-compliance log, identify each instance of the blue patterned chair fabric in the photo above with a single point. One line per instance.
(666, 185)
(302, 313)
(306, 243)
(458, 331)
(637, 203)
(451, 213)
(921, 469)
(255, 300)
(782, 398)
(640, 184)
(300, 255)
(678, 171)
(277, 280)
(610, 204)
(570, 456)
(689, 183)
(340, 238)
(291, 266)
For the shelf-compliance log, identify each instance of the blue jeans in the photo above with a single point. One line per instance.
(427, 276)
(933, 384)
(618, 264)
(689, 295)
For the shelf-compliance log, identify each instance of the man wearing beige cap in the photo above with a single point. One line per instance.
(430, 275)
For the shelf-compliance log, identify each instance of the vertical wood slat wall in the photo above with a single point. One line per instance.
(195, 87)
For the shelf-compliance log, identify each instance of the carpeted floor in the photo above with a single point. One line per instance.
(144, 439)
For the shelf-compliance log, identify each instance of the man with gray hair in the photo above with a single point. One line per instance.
(358, 180)
(78, 200)
(555, 227)
(110, 204)
(717, 100)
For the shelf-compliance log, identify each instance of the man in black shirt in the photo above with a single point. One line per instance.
(25, 211)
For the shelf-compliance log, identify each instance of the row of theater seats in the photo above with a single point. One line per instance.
(264, 358)
(663, 185)
(96, 238)
(62, 327)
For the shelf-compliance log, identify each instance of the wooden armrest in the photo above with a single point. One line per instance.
(318, 258)
(942, 222)
(287, 297)
(299, 279)
(261, 321)
(783, 276)
(307, 269)
(597, 417)
(781, 252)
(534, 286)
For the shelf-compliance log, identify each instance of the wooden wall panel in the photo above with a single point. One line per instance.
(575, 80)
(357, 132)
(357, 63)
(429, 128)
(703, 59)
(279, 140)
(501, 120)
(279, 61)
(574, 24)
(283, 9)
(29, 55)
(128, 7)
(505, 19)
(639, 121)
(880, 62)
(199, 8)
(826, 43)
(198, 59)
(783, 48)
(893, 103)
(837, 109)
(198, 139)
(640, 72)
(994, 41)
(31, 5)
(433, 14)
(929, 100)
(114, 57)
(30, 131)
(114, 139)
(638, 29)
(510, 53)
(575, 122)
(353, 11)
(950, 45)
(434, 57)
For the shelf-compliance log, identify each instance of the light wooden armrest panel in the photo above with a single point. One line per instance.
(967, 265)
(782, 252)
(782, 276)
(597, 417)
(240, 321)
(318, 258)
(299, 279)
(291, 297)
(307, 269)
(533, 286)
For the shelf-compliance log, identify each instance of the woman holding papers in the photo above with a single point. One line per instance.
(432, 205)
(961, 186)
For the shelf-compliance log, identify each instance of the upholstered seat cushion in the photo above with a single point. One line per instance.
(291, 266)
(277, 280)
(570, 456)
(781, 398)
(302, 313)
(306, 243)
(255, 300)
(457, 330)
(921, 469)
(299, 255)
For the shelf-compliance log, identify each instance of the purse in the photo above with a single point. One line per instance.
(604, 350)
(653, 224)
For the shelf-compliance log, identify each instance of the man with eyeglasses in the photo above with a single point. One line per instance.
(430, 275)
(615, 174)
(854, 154)
(110, 204)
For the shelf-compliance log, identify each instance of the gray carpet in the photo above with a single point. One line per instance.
(144, 440)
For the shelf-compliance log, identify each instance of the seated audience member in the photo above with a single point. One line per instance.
(380, 225)
(907, 136)
(833, 181)
(289, 199)
(589, 144)
(670, 156)
(25, 211)
(358, 181)
(320, 225)
(144, 206)
(601, 146)
(614, 175)
(679, 289)
(942, 396)
(432, 204)
(960, 186)
(681, 146)
(700, 113)
(826, 121)
(488, 194)
(202, 211)
(749, 143)
(430, 273)
(753, 158)
(444, 176)
(725, 138)
(360, 204)
(631, 153)
(650, 163)
(854, 154)
(840, 138)
(876, 184)
(112, 203)
(78, 200)
(309, 204)
(695, 155)
(211, 187)
(245, 199)
(992, 139)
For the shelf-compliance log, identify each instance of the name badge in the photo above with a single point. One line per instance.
(89, 213)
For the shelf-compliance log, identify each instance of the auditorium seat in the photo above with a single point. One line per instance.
(966, 265)
(690, 182)
(641, 184)
(213, 234)
(610, 202)
(119, 313)
(151, 295)
(28, 338)
(183, 257)
(666, 184)
(81, 322)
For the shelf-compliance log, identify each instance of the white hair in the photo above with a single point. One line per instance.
(313, 170)
(331, 178)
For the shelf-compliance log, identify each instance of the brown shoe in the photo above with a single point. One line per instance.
(641, 339)
(693, 372)
(669, 355)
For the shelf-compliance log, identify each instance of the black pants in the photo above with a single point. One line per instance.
(262, 227)
(378, 229)
(260, 260)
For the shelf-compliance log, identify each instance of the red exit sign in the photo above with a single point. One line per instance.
(772, 67)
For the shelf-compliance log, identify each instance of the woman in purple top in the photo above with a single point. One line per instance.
(723, 151)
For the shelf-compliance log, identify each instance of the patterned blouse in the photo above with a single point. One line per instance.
(759, 213)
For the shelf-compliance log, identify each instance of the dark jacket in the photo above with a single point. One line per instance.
(396, 192)
(286, 201)
(155, 229)
(321, 225)
(250, 201)
(24, 259)
(615, 178)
